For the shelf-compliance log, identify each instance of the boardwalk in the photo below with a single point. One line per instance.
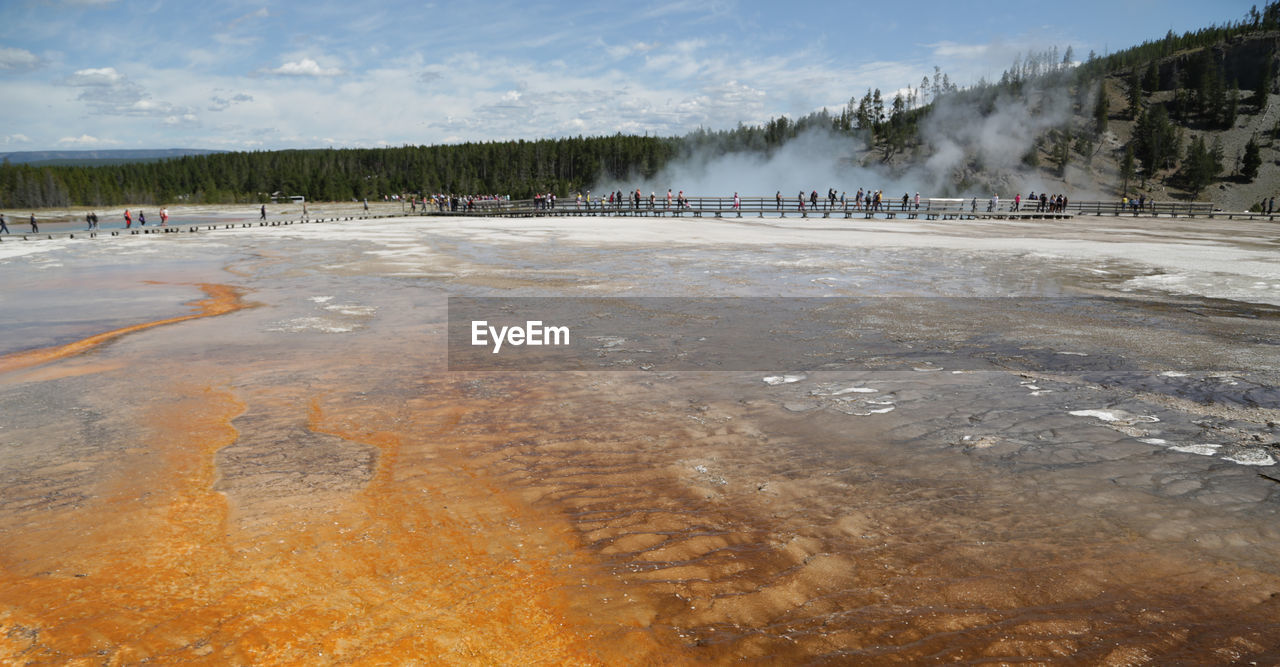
(714, 207)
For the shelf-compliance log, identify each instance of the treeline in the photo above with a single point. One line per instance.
(1137, 56)
(518, 168)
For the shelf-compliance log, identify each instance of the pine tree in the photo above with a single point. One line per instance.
(1232, 108)
(1126, 168)
(1251, 161)
(1135, 95)
(1101, 110)
(1151, 80)
(1200, 166)
(1263, 89)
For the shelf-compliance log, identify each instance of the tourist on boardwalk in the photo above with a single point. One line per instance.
(34, 227)
(164, 217)
(263, 214)
(128, 219)
(142, 219)
(88, 221)
(1017, 201)
(917, 201)
(905, 198)
(668, 198)
(1271, 206)
(857, 200)
(4, 229)
(813, 199)
(777, 200)
(736, 202)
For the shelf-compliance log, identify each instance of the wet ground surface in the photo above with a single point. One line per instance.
(304, 480)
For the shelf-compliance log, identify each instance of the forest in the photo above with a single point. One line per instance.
(1187, 81)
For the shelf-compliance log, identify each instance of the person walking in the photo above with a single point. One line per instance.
(128, 219)
(4, 229)
(737, 203)
(262, 214)
(164, 217)
(34, 227)
(142, 219)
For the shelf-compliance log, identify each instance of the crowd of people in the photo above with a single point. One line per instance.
(865, 200)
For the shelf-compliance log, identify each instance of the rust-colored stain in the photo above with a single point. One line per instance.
(563, 519)
(431, 562)
(219, 300)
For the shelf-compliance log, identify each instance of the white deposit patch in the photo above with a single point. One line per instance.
(1205, 449)
(1115, 416)
(1251, 458)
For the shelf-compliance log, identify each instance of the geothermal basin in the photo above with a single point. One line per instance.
(998, 441)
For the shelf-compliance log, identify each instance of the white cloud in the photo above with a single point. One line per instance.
(947, 50)
(104, 76)
(86, 140)
(261, 13)
(217, 103)
(184, 119)
(15, 139)
(18, 59)
(305, 67)
(109, 92)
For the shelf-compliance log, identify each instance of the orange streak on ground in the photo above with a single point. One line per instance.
(221, 299)
(136, 578)
(514, 580)
(430, 563)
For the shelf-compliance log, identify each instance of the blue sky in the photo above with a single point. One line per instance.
(96, 74)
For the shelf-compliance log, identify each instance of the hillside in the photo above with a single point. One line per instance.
(1167, 119)
(98, 157)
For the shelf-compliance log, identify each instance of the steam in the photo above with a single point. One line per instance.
(967, 151)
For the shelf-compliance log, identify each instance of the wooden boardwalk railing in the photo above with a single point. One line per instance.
(928, 209)
(717, 207)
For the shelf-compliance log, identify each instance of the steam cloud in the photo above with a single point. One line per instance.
(966, 153)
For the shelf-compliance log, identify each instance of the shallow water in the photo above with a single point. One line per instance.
(304, 480)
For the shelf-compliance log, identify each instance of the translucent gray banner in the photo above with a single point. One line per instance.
(1061, 334)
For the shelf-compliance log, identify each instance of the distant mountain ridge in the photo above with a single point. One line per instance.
(89, 157)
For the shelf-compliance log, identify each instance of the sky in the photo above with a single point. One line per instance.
(263, 75)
